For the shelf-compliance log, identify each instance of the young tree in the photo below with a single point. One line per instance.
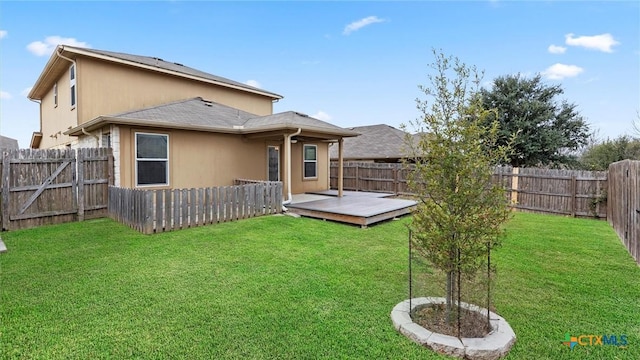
(460, 211)
(545, 129)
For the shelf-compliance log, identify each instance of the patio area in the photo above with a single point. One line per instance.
(355, 207)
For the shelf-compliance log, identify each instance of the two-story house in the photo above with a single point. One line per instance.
(172, 126)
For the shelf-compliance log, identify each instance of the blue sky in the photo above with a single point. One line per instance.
(349, 63)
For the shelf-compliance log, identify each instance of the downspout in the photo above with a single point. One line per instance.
(75, 67)
(287, 160)
(90, 134)
(64, 57)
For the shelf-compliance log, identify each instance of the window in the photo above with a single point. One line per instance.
(106, 140)
(152, 159)
(310, 161)
(55, 95)
(72, 84)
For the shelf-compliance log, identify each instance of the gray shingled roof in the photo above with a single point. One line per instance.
(167, 65)
(7, 143)
(204, 115)
(290, 119)
(375, 142)
(191, 112)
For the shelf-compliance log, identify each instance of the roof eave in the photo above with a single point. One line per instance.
(80, 51)
(103, 120)
(40, 87)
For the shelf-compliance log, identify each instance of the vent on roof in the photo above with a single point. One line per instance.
(155, 58)
(301, 114)
(208, 103)
(178, 64)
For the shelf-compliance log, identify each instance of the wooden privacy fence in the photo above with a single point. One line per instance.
(41, 187)
(624, 204)
(154, 211)
(566, 192)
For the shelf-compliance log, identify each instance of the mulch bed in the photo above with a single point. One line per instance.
(433, 317)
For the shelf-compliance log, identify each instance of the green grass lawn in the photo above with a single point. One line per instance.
(280, 287)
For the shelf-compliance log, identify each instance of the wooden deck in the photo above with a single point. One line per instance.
(354, 209)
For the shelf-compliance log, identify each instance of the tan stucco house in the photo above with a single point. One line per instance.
(172, 126)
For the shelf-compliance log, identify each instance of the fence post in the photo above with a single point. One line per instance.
(514, 186)
(395, 180)
(573, 195)
(6, 176)
(110, 170)
(80, 183)
(148, 211)
(357, 176)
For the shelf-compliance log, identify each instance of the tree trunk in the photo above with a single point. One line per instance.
(451, 284)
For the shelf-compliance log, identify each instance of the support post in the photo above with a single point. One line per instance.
(514, 186)
(340, 167)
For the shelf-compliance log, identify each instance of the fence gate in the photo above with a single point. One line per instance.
(41, 187)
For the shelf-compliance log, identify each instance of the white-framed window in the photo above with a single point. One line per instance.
(310, 159)
(55, 95)
(152, 159)
(72, 85)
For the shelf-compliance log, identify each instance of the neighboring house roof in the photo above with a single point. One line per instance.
(57, 65)
(7, 143)
(376, 142)
(203, 115)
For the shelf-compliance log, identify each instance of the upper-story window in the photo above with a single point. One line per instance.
(310, 161)
(55, 95)
(72, 84)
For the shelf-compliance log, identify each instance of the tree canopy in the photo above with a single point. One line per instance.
(598, 156)
(459, 216)
(544, 130)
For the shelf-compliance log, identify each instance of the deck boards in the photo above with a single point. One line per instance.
(359, 210)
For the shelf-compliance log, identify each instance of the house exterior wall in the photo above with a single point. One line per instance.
(198, 159)
(106, 88)
(300, 185)
(55, 120)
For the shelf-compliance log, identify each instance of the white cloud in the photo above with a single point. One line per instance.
(46, 47)
(3, 34)
(321, 115)
(602, 42)
(5, 95)
(357, 25)
(26, 91)
(253, 83)
(555, 49)
(561, 71)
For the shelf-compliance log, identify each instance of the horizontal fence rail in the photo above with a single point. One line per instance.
(565, 192)
(154, 211)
